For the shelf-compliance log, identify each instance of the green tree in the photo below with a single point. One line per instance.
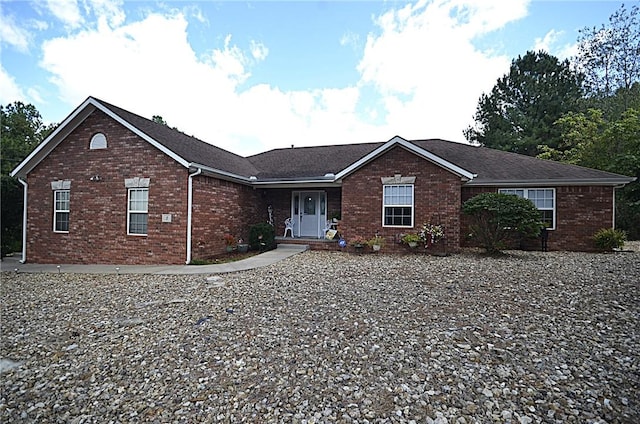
(159, 119)
(519, 113)
(609, 145)
(609, 57)
(21, 131)
(497, 217)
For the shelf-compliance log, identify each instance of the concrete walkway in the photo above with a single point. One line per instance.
(283, 251)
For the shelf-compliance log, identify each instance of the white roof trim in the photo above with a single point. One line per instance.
(555, 182)
(62, 128)
(411, 147)
(70, 123)
(222, 174)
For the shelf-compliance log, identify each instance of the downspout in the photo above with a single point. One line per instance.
(613, 210)
(189, 212)
(24, 221)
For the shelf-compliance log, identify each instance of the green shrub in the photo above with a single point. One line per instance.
(608, 239)
(495, 217)
(262, 237)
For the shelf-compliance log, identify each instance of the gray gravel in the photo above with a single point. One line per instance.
(330, 337)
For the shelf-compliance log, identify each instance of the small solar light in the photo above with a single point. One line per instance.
(58, 269)
(117, 270)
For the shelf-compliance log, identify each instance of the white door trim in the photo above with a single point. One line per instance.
(297, 212)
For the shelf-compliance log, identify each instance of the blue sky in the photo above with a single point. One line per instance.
(252, 76)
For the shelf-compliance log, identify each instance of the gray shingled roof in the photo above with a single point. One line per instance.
(490, 165)
(187, 147)
(309, 162)
(493, 165)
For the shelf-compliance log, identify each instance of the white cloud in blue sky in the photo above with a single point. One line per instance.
(253, 76)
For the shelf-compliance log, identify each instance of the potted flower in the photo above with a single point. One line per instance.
(376, 242)
(230, 242)
(431, 234)
(358, 242)
(242, 246)
(411, 239)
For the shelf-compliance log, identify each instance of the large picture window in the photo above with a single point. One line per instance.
(138, 211)
(61, 211)
(397, 205)
(543, 198)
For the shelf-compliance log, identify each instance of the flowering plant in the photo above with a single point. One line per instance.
(358, 241)
(229, 240)
(376, 241)
(410, 238)
(431, 234)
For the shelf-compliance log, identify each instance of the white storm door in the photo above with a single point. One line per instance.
(310, 211)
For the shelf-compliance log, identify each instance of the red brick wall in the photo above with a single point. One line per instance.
(221, 207)
(580, 212)
(437, 199)
(98, 209)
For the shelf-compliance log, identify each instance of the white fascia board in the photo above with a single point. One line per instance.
(74, 119)
(463, 173)
(313, 183)
(70, 123)
(552, 182)
(220, 174)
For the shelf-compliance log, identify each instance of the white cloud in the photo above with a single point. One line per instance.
(9, 90)
(149, 68)
(551, 43)
(545, 43)
(108, 12)
(259, 51)
(14, 35)
(229, 61)
(420, 77)
(425, 64)
(67, 11)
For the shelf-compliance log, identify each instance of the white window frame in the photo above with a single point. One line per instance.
(98, 141)
(56, 211)
(137, 211)
(392, 205)
(526, 195)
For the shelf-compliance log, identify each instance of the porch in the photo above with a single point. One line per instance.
(313, 243)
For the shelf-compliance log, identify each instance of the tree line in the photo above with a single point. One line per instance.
(584, 110)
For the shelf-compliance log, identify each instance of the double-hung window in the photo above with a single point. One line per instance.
(397, 205)
(61, 211)
(543, 198)
(138, 211)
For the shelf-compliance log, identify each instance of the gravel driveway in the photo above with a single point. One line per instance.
(330, 337)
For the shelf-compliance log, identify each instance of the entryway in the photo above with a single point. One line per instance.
(309, 213)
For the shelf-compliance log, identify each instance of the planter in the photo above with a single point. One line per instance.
(229, 249)
(412, 244)
(243, 248)
(376, 247)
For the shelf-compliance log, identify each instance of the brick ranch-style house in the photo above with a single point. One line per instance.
(109, 186)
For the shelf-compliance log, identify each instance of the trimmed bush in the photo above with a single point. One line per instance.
(262, 237)
(608, 239)
(495, 217)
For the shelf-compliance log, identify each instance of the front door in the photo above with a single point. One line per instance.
(309, 209)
